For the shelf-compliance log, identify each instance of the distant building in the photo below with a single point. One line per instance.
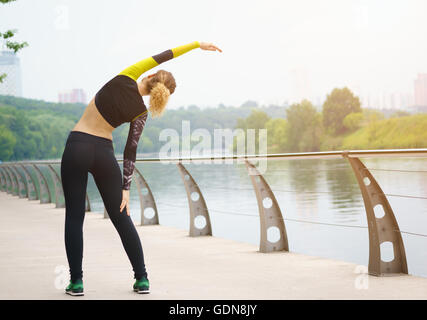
(386, 100)
(75, 96)
(9, 64)
(420, 90)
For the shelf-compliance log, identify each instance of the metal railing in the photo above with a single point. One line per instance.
(15, 178)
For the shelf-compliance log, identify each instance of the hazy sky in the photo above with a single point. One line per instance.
(371, 45)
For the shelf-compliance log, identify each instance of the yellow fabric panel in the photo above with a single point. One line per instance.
(135, 70)
(185, 48)
(140, 115)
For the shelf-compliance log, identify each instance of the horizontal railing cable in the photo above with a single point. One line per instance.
(306, 170)
(292, 219)
(404, 196)
(274, 190)
(413, 233)
(397, 170)
(310, 192)
(256, 216)
(210, 210)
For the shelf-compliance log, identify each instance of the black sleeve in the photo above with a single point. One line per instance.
(129, 156)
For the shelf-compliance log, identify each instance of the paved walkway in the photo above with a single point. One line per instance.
(179, 267)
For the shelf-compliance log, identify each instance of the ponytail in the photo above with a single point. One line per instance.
(159, 97)
(161, 86)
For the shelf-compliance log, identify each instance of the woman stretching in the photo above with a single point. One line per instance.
(89, 148)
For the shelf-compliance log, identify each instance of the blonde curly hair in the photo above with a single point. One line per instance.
(160, 86)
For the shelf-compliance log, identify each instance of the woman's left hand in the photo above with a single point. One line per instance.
(125, 202)
(209, 46)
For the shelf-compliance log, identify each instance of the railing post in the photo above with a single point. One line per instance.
(58, 187)
(382, 224)
(31, 189)
(146, 200)
(43, 186)
(197, 205)
(14, 180)
(22, 186)
(9, 183)
(5, 180)
(270, 216)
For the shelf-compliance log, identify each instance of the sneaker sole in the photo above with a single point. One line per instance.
(141, 291)
(75, 293)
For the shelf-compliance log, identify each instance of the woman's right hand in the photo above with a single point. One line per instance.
(125, 202)
(209, 46)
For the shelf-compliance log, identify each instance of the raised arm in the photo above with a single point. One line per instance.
(129, 155)
(135, 70)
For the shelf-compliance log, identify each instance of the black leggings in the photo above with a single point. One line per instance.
(85, 153)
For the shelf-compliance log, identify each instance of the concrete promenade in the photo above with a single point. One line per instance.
(179, 267)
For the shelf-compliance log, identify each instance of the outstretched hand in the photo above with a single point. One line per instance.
(125, 202)
(209, 46)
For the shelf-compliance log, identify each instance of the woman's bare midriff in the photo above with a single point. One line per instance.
(93, 123)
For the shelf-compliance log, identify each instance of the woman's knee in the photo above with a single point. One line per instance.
(121, 219)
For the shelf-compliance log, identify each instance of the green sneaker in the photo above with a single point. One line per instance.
(75, 288)
(142, 285)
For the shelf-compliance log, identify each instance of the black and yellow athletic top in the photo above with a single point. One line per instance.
(119, 101)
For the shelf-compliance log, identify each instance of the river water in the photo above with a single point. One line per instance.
(317, 191)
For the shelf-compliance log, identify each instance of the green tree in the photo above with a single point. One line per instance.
(339, 103)
(353, 121)
(371, 116)
(277, 135)
(7, 143)
(304, 127)
(256, 120)
(399, 114)
(250, 104)
(6, 38)
(147, 145)
(393, 133)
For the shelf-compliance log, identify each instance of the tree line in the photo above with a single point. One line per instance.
(341, 124)
(35, 129)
